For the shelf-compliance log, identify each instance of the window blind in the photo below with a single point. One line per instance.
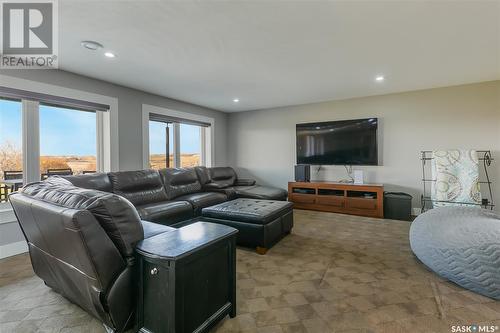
(169, 119)
(11, 93)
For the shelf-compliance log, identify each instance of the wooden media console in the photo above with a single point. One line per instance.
(364, 200)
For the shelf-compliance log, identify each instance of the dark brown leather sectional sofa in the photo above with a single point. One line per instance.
(169, 196)
(82, 233)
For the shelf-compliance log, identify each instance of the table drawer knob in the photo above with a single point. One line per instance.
(154, 271)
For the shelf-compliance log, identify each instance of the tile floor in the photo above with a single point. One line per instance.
(334, 273)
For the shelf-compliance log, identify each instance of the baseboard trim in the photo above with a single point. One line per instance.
(9, 250)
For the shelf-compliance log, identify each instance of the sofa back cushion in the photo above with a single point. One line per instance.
(139, 187)
(203, 175)
(94, 181)
(116, 215)
(222, 176)
(180, 181)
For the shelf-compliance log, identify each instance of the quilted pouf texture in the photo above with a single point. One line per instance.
(461, 244)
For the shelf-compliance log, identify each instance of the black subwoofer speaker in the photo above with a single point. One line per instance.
(302, 173)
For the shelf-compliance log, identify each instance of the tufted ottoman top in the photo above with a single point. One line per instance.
(248, 210)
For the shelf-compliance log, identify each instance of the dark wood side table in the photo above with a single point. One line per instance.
(187, 280)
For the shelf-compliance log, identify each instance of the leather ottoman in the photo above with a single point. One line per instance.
(261, 223)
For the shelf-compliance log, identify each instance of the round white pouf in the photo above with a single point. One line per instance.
(461, 244)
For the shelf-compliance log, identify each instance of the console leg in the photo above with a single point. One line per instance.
(232, 313)
(261, 250)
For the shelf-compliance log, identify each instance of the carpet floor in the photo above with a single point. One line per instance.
(334, 273)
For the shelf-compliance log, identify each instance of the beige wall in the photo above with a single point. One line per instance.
(262, 143)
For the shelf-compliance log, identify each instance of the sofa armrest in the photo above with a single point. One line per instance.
(152, 229)
(244, 182)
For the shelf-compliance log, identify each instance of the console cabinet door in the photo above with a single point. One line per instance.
(203, 287)
(157, 312)
(303, 198)
(331, 201)
(362, 204)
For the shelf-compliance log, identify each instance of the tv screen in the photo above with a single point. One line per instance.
(345, 142)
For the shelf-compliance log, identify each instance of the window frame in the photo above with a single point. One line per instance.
(106, 127)
(31, 139)
(207, 136)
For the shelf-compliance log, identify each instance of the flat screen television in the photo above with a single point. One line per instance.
(345, 142)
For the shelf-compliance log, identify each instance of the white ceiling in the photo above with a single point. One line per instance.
(275, 53)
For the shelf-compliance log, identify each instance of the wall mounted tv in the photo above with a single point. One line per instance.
(345, 142)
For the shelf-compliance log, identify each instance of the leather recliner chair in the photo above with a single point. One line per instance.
(81, 243)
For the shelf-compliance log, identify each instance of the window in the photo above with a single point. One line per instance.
(43, 135)
(185, 138)
(184, 142)
(11, 157)
(161, 137)
(68, 140)
(190, 145)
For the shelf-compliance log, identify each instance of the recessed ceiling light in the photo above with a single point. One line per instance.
(379, 78)
(91, 45)
(109, 54)
(236, 100)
